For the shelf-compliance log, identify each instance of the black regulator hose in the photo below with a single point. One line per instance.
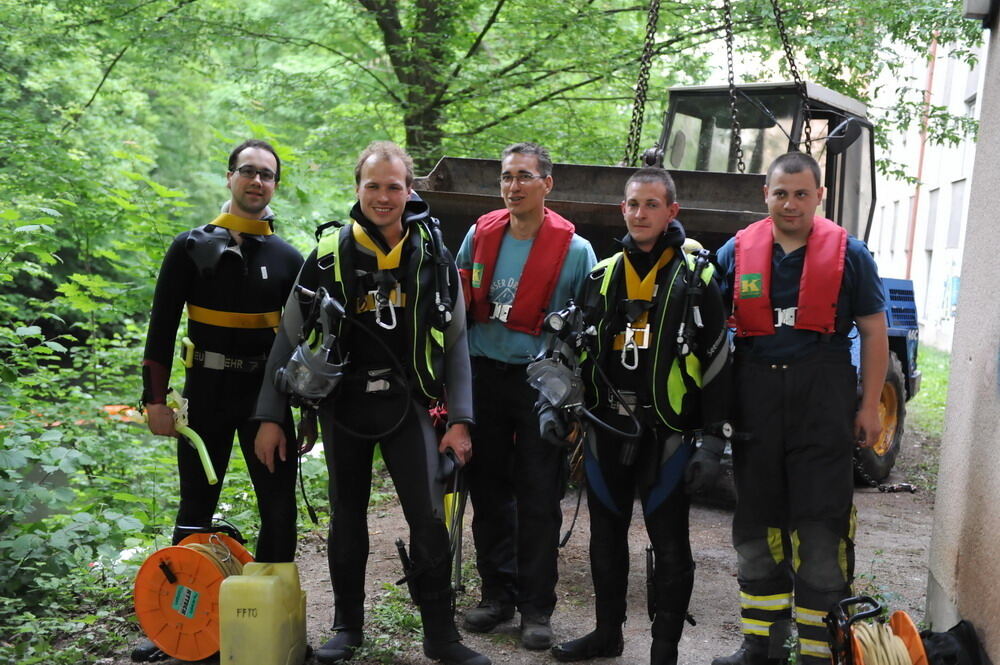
(617, 395)
(398, 367)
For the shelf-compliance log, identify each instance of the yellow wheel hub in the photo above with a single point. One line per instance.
(888, 410)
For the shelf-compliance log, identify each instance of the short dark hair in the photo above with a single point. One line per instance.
(529, 148)
(255, 143)
(655, 174)
(795, 162)
(384, 150)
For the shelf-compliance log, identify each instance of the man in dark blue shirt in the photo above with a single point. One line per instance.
(798, 284)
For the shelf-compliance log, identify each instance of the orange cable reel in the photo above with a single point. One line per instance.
(177, 593)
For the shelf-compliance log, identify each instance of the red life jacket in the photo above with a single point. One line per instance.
(538, 278)
(819, 286)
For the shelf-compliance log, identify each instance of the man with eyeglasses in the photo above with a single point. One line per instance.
(233, 275)
(516, 263)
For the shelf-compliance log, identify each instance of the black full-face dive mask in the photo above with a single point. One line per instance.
(312, 374)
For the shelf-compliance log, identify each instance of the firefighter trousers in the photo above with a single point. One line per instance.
(794, 524)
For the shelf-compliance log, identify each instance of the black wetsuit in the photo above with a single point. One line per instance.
(666, 444)
(372, 398)
(254, 277)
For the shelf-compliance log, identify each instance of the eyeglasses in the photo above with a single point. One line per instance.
(251, 172)
(506, 180)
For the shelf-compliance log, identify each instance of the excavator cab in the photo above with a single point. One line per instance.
(698, 136)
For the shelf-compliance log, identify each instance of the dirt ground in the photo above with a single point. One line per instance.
(892, 549)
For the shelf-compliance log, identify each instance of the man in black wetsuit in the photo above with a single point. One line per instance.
(389, 271)
(233, 275)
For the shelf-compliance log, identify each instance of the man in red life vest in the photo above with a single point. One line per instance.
(797, 283)
(516, 264)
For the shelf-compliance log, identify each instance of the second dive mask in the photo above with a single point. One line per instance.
(313, 372)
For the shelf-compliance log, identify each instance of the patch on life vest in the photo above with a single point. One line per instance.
(477, 275)
(750, 285)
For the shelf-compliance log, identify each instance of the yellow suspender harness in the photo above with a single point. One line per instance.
(257, 227)
(388, 261)
(636, 332)
(213, 317)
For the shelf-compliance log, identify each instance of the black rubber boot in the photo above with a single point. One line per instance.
(753, 651)
(348, 634)
(487, 616)
(341, 647)
(146, 652)
(598, 644)
(453, 653)
(536, 632)
(662, 652)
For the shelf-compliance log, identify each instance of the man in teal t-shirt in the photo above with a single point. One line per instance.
(516, 263)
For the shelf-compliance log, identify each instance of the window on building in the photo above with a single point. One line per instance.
(927, 281)
(905, 240)
(882, 224)
(932, 213)
(895, 226)
(955, 220)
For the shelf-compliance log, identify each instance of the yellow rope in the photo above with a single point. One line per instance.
(216, 552)
(880, 646)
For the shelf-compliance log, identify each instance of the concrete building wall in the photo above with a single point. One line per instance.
(941, 198)
(964, 573)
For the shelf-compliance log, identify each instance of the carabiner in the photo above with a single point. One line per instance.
(382, 302)
(630, 345)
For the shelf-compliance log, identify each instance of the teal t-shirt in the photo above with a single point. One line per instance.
(495, 340)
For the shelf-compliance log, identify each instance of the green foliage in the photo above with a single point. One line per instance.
(393, 626)
(74, 495)
(926, 410)
(869, 584)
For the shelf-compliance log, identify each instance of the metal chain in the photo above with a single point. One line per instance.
(642, 87)
(859, 467)
(737, 147)
(806, 111)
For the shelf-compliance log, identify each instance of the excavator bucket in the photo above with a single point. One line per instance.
(713, 205)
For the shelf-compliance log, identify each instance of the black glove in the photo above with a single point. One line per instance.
(551, 425)
(704, 466)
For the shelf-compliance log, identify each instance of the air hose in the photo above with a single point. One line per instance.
(401, 372)
(617, 395)
(220, 556)
(880, 645)
(180, 408)
(860, 636)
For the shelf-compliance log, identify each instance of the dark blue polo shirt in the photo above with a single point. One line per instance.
(861, 294)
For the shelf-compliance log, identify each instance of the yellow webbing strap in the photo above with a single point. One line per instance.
(388, 261)
(257, 227)
(642, 289)
(214, 317)
(637, 288)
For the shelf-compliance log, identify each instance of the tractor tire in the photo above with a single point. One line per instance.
(878, 460)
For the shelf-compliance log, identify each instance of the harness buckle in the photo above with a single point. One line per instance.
(629, 401)
(500, 312)
(327, 261)
(187, 351)
(784, 316)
